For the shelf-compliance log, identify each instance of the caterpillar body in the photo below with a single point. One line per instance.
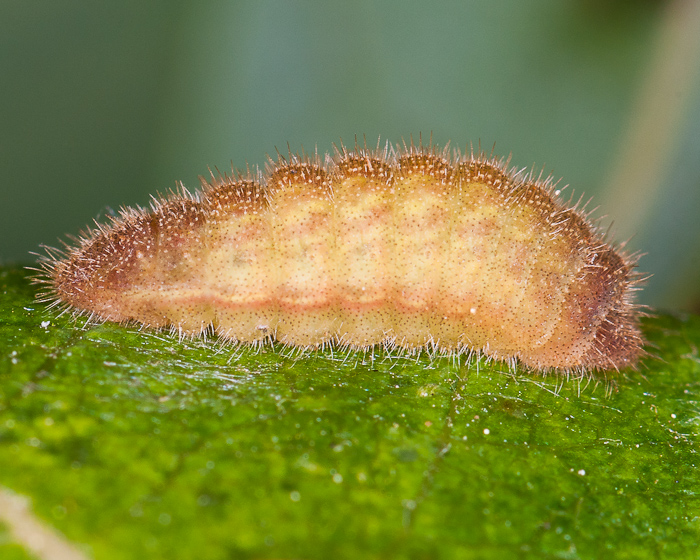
(412, 248)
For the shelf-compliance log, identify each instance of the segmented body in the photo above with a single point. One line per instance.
(409, 248)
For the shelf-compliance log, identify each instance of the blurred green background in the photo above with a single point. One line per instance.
(104, 103)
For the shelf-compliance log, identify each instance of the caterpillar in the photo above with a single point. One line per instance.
(408, 247)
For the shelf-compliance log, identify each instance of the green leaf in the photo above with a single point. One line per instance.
(136, 445)
(10, 550)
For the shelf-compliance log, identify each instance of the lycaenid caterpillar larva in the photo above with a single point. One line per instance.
(411, 248)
